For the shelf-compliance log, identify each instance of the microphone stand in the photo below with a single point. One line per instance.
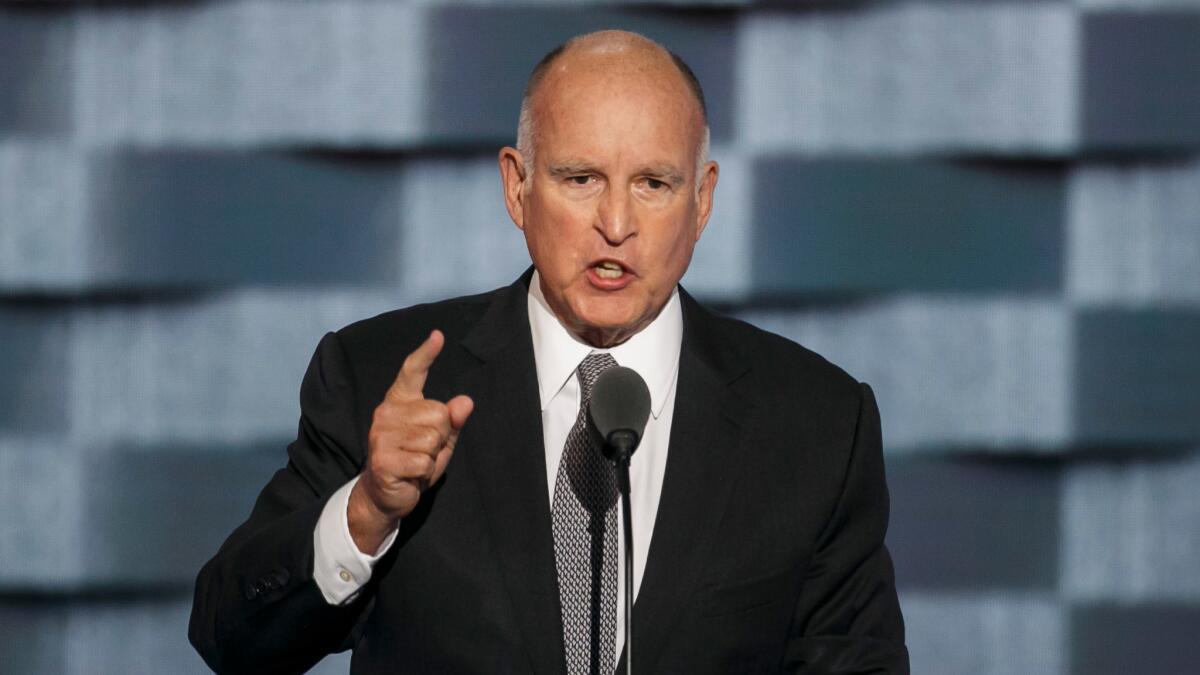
(623, 442)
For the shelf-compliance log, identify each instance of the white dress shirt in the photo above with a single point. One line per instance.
(340, 569)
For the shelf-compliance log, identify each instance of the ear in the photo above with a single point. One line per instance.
(512, 175)
(704, 195)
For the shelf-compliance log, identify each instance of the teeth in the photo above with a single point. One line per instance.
(609, 270)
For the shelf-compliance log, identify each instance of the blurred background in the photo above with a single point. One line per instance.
(990, 211)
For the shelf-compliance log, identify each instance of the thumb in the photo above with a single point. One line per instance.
(460, 409)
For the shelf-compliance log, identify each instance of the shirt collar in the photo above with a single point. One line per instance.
(653, 352)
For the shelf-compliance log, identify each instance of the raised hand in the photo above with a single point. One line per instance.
(409, 445)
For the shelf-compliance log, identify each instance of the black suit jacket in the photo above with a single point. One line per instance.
(767, 553)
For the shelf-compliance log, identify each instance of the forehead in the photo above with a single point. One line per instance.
(617, 101)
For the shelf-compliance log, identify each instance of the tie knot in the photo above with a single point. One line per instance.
(589, 370)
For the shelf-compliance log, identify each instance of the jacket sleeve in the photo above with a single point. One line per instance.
(257, 607)
(848, 619)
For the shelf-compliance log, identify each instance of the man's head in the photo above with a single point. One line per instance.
(610, 182)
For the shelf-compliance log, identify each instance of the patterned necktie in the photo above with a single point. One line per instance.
(585, 539)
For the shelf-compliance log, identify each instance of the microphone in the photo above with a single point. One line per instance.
(619, 410)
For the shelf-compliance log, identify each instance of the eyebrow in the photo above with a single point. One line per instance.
(571, 169)
(664, 172)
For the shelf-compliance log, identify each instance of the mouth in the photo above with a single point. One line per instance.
(609, 269)
(609, 275)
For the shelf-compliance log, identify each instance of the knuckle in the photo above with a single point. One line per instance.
(383, 413)
(428, 410)
(374, 438)
(377, 464)
(443, 414)
(425, 465)
(429, 438)
(435, 416)
(416, 465)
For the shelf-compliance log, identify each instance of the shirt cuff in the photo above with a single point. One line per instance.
(339, 568)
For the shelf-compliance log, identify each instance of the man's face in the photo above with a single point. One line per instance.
(612, 212)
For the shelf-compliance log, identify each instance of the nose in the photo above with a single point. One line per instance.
(615, 218)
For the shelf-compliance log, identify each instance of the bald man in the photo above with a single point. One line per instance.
(429, 516)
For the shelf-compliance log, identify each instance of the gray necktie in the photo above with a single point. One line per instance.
(585, 539)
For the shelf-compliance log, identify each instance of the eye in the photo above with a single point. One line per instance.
(655, 184)
(580, 180)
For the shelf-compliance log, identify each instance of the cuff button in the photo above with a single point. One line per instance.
(345, 575)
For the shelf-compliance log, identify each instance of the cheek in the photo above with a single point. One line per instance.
(679, 249)
(556, 242)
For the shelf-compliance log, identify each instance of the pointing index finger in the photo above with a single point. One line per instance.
(410, 381)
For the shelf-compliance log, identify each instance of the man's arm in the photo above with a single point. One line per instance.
(257, 607)
(848, 618)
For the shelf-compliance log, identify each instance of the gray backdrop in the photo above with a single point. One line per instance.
(988, 210)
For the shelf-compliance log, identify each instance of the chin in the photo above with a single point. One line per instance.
(604, 329)
(607, 316)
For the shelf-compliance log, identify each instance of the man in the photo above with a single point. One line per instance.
(431, 516)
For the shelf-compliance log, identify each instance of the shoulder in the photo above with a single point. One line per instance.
(373, 349)
(803, 415)
(781, 370)
(411, 325)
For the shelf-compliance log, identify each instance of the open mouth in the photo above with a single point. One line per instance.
(610, 275)
(609, 270)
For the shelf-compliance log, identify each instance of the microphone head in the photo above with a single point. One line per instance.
(620, 403)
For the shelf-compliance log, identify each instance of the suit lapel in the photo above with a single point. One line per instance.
(503, 446)
(697, 484)
(507, 454)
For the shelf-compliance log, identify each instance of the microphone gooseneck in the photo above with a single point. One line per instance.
(619, 410)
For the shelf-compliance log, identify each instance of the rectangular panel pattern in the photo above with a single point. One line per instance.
(950, 373)
(997, 76)
(986, 211)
